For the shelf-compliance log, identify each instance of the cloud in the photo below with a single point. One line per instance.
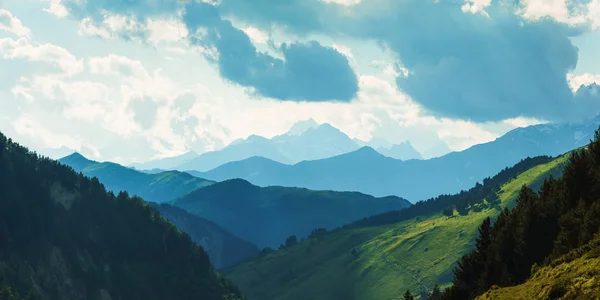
(137, 81)
(144, 112)
(48, 53)
(576, 81)
(10, 23)
(510, 61)
(306, 72)
(184, 102)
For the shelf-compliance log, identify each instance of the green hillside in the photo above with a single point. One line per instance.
(64, 237)
(268, 216)
(383, 261)
(159, 188)
(573, 276)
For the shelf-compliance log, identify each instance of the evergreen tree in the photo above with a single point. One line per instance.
(436, 293)
(408, 295)
(291, 241)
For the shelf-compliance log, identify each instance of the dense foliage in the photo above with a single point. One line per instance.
(63, 236)
(461, 201)
(563, 215)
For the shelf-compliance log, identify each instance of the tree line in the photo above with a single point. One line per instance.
(544, 225)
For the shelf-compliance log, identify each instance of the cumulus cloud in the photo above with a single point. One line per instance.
(48, 53)
(137, 81)
(303, 72)
(508, 62)
(308, 71)
(10, 23)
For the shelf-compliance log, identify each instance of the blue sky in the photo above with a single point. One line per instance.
(146, 79)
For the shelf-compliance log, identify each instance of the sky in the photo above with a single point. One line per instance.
(129, 81)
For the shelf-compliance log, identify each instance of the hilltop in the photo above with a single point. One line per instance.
(267, 216)
(63, 236)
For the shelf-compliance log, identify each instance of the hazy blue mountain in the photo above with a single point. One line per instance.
(305, 141)
(158, 187)
(317, 142)
(367, 171)
(166, 163)
(301, 127)
(223, 248)
(267, 216)
(402, 151)
(238, 150)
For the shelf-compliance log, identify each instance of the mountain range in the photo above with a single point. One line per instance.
(158, 187)
(382, 256)
(305, 140)
(263, 216)
(368, 171)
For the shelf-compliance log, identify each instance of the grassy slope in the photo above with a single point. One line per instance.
(414, 254)
(574, 276)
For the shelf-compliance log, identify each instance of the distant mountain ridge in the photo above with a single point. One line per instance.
(367, 171)
(166, 163)
(157, 187)
(267, 216)
(305, 140)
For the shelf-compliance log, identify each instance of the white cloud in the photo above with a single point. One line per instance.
(56, 8)
(113, 26)
(556, 9)
(48, 53)
(153, 30)
(476, 6)
(343, 2)
(28, 125)
(137, 82)
(12, 24)
(256, 35)
(523, 122)
(166, 30)
(576, 81)
(87, 27)
(346, 51)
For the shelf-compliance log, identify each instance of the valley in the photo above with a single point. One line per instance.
(379, 261)
(299, 150)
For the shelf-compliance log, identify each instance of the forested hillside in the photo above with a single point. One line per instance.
(572, 276)
(543, 226)
(380, 257)
(159, 187)
(63, 236)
